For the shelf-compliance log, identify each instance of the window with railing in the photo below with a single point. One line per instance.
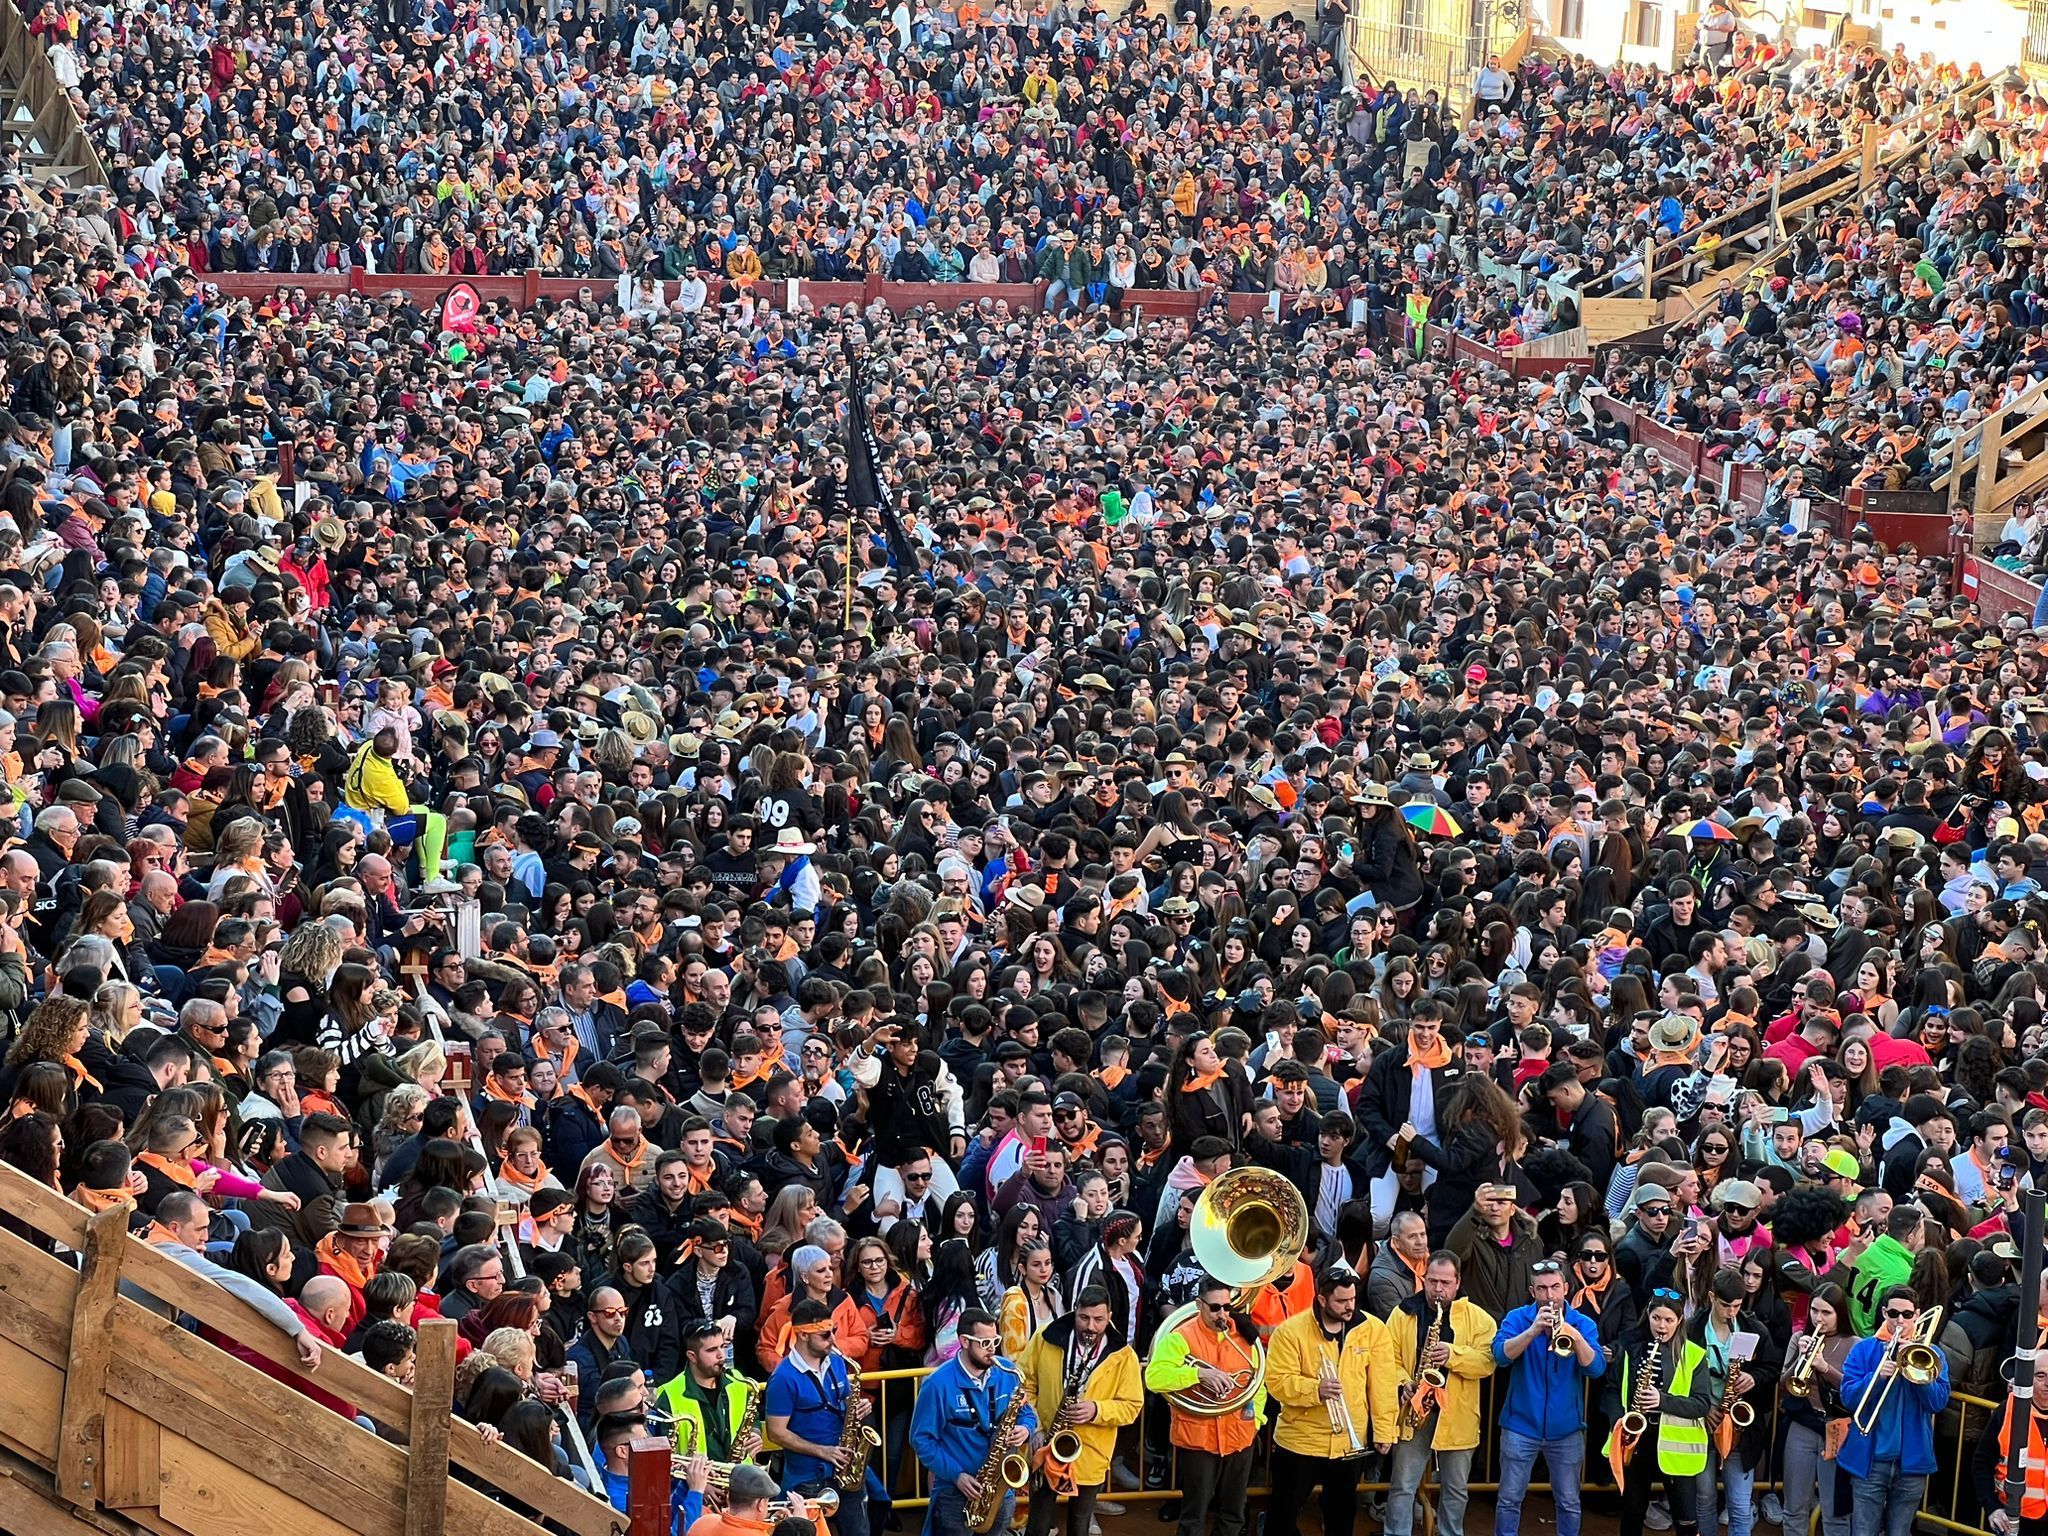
(1414, 26)
(2034, 50)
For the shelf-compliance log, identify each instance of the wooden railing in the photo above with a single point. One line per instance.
(133, 1414)
(40, 114)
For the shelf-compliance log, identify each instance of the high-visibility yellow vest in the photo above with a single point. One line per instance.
(1681, 1443)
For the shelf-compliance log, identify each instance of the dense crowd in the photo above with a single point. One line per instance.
(555, 864)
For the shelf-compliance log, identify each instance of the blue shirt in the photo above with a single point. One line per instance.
(1904, 1431)
(685, 1502)
(1546, 1393)
(815, 1404)
(950, 1427)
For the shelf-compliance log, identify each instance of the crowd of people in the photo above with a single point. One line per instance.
(555, 860)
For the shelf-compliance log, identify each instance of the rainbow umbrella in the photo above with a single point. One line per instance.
(1427, 816)
(1704, 831)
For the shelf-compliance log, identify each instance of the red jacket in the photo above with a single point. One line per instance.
(328, 1340)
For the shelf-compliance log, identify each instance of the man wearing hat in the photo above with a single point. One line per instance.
(351, 1253)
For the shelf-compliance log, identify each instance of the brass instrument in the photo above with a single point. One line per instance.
(1800, 1378)
(1425, 1393)
(1561, 1341)
(1003, 1470)
(1062, 1449)
(1730, 1415)
(1341, 1422)
(1248, 1229)
(856, 1438)
(718, 1488)
(1643, 1401)
(1918, 1361)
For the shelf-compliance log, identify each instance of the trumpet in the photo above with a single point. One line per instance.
(1799, 1379)
(1341, 1422)
(1561, 1343)
(1917, 1360)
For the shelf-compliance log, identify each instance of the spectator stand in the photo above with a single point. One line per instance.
(113, 1406)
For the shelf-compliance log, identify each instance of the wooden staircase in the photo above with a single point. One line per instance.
(36, 112)
(1606, 321)
(117, 1420)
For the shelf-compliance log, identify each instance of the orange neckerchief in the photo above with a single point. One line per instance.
(213, 956)
(330, 1254)
(761, 1074)
(751, 1225)
(97, 1200)
(507, 1174)
(699, 1182)
(568, 1058)
(79, 1076)
(184, 1177)
(1151, 1159)
(1085, 1145)
(158, 1235)
(1439, 1057)
(1413, 1268)
(1202, 1080)
(1111, 1077)
(1592, 1297)
(498, 1095)
(638, 1157)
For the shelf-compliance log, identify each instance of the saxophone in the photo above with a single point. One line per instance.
(1425, 1393)
(718, 1486)
(855, 1438)
(1002, 1470)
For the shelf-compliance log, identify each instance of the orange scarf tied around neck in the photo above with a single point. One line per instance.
(80, 1078)
(331, 1256)
(498, 1095)
(1439, 1055)
(177, 1173)
(97, 1200)
(1201, 1080)
(507, 1174)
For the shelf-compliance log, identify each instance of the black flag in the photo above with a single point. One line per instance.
(865, 490)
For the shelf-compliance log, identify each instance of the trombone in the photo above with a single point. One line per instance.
(1918, 1360)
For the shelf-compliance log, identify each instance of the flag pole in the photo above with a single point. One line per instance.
(848, 622)
(2027, 1347)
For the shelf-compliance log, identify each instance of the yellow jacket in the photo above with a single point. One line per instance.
(372, 783)
(1112, 1387)
(1471, 1330)
(1295, 1356)
(229, 638)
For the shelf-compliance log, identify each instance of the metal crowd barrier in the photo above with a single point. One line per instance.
(1949, 1504)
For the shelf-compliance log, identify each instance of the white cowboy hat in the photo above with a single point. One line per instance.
(791, 841)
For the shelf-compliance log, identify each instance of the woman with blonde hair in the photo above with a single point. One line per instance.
(116, 1009)
(425, 1065)
(306, 964)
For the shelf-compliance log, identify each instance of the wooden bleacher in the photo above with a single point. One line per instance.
(117, 1420)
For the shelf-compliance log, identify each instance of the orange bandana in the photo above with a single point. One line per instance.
(507, 1174)
(1440, 1056)
(97, 1200)
(1202, 1080)
(330, 1255)
(1112, 1077)
(79, 1076)
(182, 1176)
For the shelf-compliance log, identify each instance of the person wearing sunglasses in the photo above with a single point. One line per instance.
(1670, 1391)
(954, 1423)
(1542, 1407)
(1211, 1350)
(1890, 1464)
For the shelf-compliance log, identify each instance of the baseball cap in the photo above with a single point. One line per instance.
(1842, 1163)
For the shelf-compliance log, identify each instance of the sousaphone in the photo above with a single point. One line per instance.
(1248, 1230)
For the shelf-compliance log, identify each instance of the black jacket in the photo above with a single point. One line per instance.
(732, 1295)
(653, 1337)
(665, 1226)
(1764, 1366)
(1643, 1264)
(1386, 864)
(1383, 1103)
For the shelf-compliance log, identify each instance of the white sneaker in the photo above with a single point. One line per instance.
(1108, 1507)
(1657, 1517)
(1774, 1509)
(1123, 1477)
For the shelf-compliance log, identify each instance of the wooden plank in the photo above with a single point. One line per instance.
(204, 1493)
(82, 1431)
(133, 1474)
(474, 1514)
(433, 1394)
(31, 1404)
(24, 1507)
(42, 1208)
(37, 1293)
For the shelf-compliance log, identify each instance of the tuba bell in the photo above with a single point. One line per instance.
(1247, 1230)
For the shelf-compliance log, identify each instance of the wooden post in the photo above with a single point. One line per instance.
(1866, 166)
(650, 1479)
(1990, 450)
(81, 1433)
(1649, 267)
(433, 1398)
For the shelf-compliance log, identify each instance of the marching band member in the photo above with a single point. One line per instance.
(1755, 1381)
(1449, 1431)
(706, 1400)
(955, 1420)
(1890, 1464)
(808, 1400)
(746, 1508)
(1332, 1371)
(1543, 1407)
(1673, 1399)
(1083, 1376)
(1210, 1349)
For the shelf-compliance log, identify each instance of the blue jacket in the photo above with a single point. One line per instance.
(951, 1424)
(1905, 1425)
(1546, 1394)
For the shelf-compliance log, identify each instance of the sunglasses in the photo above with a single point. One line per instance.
(1546, 1267)
(1593, 1256)
(1893, 1314)
(1665, 1293)
(1739, 1210)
